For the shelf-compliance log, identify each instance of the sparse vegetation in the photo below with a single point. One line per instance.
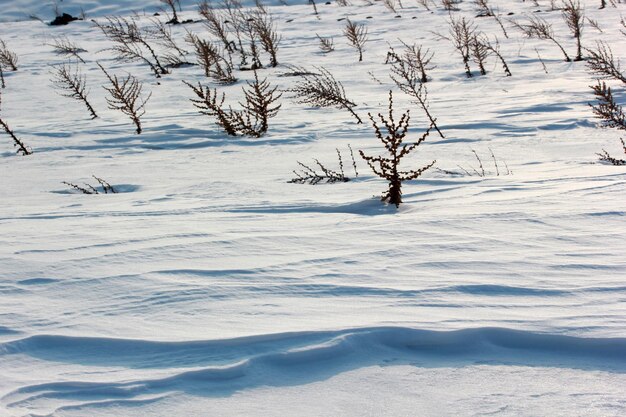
(71, 83)
(387, 167)
(21, 147)
(308, 175)
(357, 36)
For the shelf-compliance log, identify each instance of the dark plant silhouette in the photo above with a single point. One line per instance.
(172, 5)
(322, 90)
(8, 59)
(461, 33)
(604, 156)
(607, 109)
(601, 63)
(21, 147)
(72, 83)
(63, 46)
(259, 107)
(125, 95)
(357, 36)
(207, 103)
(387, 167)
(575, 19)
(90, 189)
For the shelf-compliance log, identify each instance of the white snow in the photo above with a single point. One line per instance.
(209, 285)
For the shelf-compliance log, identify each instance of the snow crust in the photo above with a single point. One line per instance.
(210, 286)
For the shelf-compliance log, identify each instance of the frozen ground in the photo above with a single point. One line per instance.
(211, 286)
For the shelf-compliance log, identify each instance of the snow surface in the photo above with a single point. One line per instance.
(211, 286)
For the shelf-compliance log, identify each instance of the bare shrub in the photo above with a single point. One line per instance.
(21, 147)
(172, 5)
(387, 167)
(480, 52)
(252, 120)
(63, 46)
(322, 90)
(326, 44)
(131, 44)
(604, 156)
(356, 34)
(480, 171)
(269, 38)
(308, 175)
(575, 19)
(594, 24)
(8, 59)
(162, 34)
(450, 5)
(483, 8)
(215, 62)
(207, 103)
(462, 32)
(607, 109)
(602, 63)
(537, 27)
(90, 189)
(419, 59)
(215, 24)
(494, 48)
(405, 78)
(72, 83)
(260, 106)
(126, 96)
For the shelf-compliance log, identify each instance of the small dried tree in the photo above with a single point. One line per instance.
(387, 167)
(494, 48)
(322, 90)
(215, 62)
(419, 59)
(216, 24)
(575, 18)
(606, 157)
(63, 46)
(21, 147)
(407, 81)
(461, 33)
(326, 44)
(131, 43)
(8, 59)
(480, 52)
(356, 34)
(126, 96)
(208, 103)
(602, 63)
(537, 27)
(269, 38)
(260, 106)
(72, 83)
(172, 5)
(607, 109)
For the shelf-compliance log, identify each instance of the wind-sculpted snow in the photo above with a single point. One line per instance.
(210, 285)
(222, 367)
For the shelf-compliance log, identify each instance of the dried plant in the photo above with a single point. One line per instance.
(450, 5)
(480, 171)
(462, 32)
(322, 90)
(72, 83)
(308, 175)
(494, 48)
(315, 12)
(131, 43)
(419, 59)
(606, 157)
(260, 106)
(89, 189)
(63, 46)
(594, 24)
(388, 167)
(391, 5)
(480, 52)
(172, 5)
(607, 109)
(537, 27)
(215, 24)
(208, 104)
(245, 28)
(543, 64)
(162, 34)
(326, 44)
(215, 62)
(126, 96)
(575, 19)
(483, 8)
(405, 78)
(602, 63)
(269, 38)
(21, 147)
(356, 34)
(2, 83)
(8, 59)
